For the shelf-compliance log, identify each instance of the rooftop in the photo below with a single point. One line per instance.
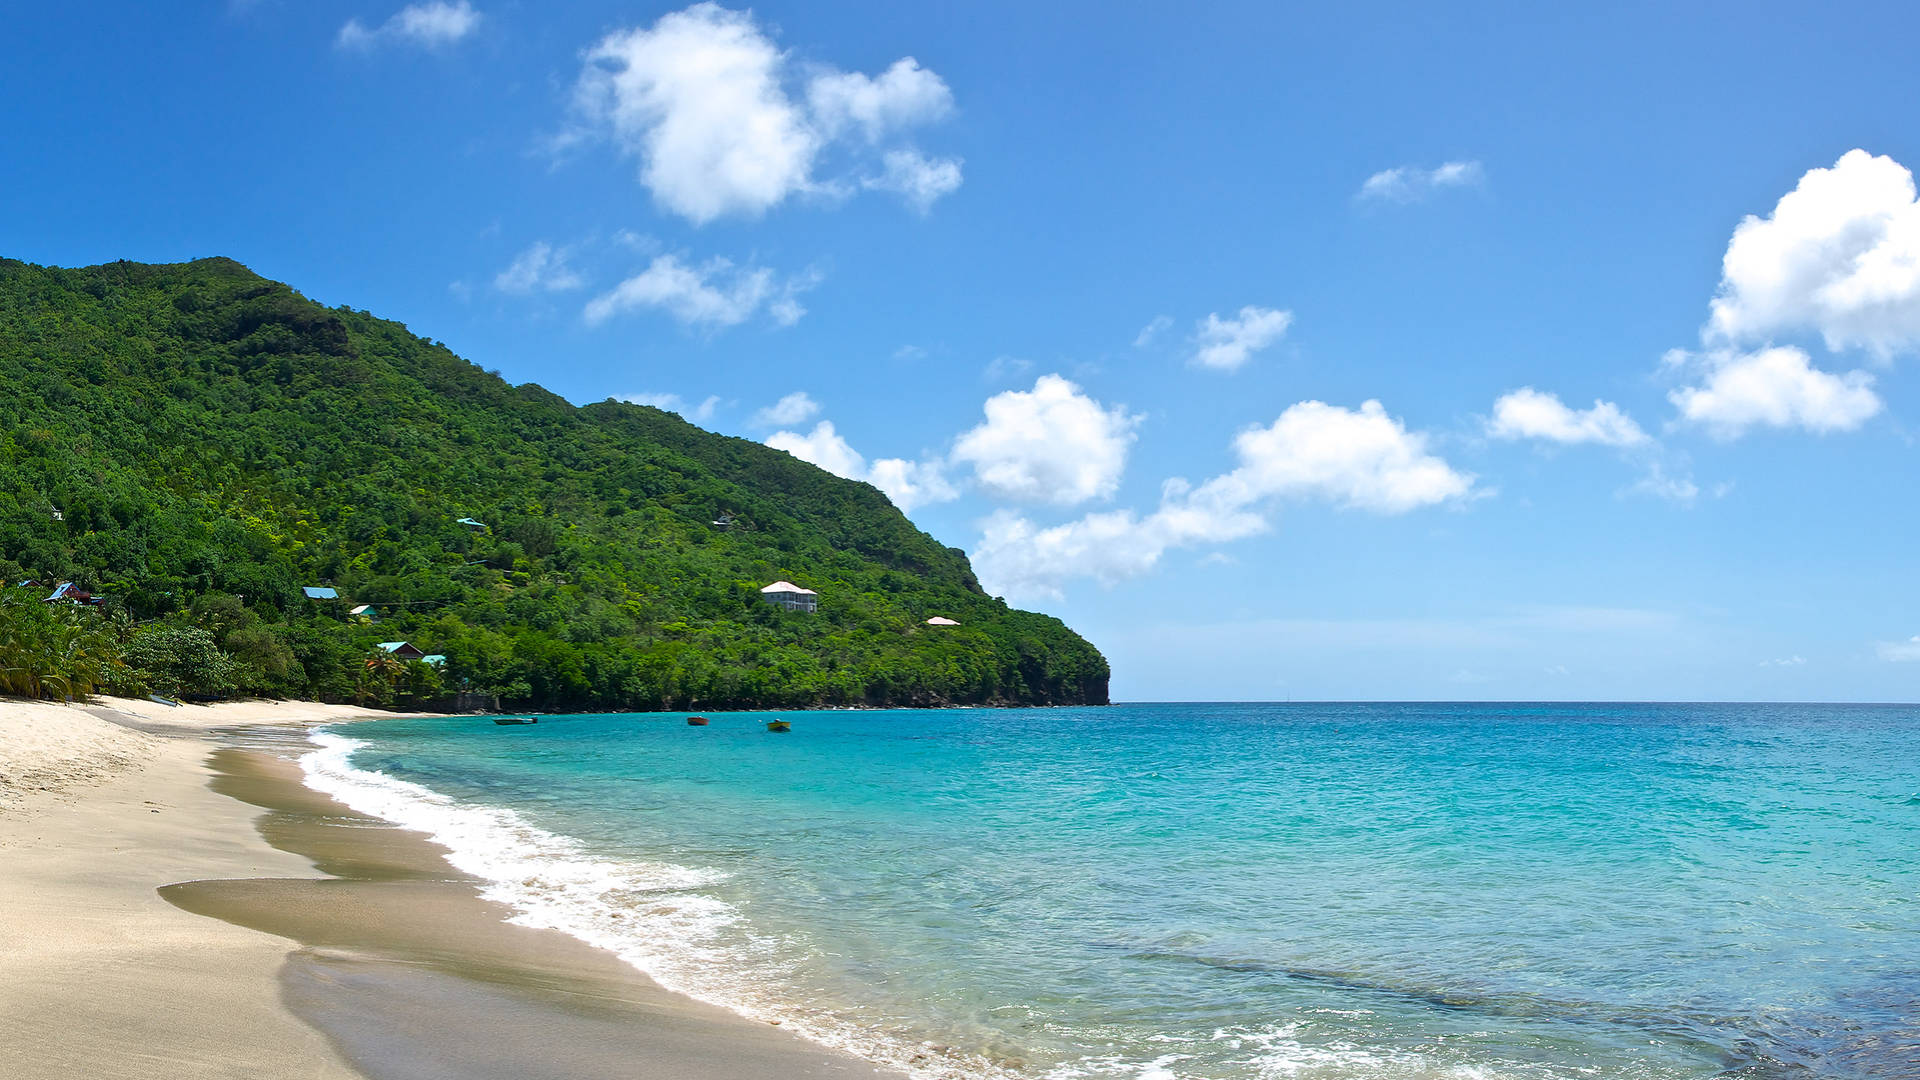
(788, 587)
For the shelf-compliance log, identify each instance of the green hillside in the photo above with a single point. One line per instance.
(214, 441)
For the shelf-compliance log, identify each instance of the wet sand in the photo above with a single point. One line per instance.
(254, 927)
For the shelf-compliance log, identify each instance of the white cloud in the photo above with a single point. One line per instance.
(1226, 344)
(795, 408)
(1363, 459)
(1774, 387)
(1784, 661)
(1900, 652)
(1052, 444)
(674, 403)
(919, 180)
(1527, 413)
(432, 24)
(1410, 183)
(823, 447)
(911, 484)
(1839, 255)
(540, 268)
(1152, 330)
(904, 95)
(712, 295)
(1015, 558)
(908, 484)
(701, 99)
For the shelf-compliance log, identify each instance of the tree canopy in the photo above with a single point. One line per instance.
(197, 444)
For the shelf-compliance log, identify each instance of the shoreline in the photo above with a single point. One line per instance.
(181, 903)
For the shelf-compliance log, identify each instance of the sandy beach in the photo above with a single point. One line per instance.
(178, 904)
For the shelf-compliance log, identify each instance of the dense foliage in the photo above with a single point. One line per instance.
(197, 443)
(54, 652)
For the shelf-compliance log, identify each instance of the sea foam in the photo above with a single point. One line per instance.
(653, 915)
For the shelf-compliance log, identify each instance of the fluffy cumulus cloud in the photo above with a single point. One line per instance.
(1052, 444)
(1359, 458)
(1362, 459)
(824, 447)
(712, 295)
(1019, 559)
(1527, 413)
(909, 484)
(1839, 255)
(432, 24)
(540, 268)
(706, 101)
(674, 403)
(795, 408)
(1227, 344)
(1774, 387)
(904, 95)
(1411, 183)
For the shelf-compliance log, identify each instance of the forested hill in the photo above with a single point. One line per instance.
(197, 443)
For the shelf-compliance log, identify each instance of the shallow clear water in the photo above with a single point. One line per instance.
(1658, 891)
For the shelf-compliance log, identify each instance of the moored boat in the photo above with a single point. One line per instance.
(779, 725)
(697, 721)
(515, 720)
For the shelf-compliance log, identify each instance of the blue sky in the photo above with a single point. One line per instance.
(1102, 293)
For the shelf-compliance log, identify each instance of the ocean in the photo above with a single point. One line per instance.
(1469, 891)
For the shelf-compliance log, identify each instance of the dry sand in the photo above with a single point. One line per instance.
(155, 923)
(100, 976)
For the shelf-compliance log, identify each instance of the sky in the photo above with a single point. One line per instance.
(1398, 351)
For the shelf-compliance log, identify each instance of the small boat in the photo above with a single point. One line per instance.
(779, 725)
(696, 721)
(515, 720)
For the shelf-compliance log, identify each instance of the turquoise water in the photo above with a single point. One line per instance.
(1472, 891)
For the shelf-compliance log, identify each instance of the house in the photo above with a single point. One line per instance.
(724, 521)
(320, 592)
(57, 515)
(404, 650)
(785, 594)
(69, 593)
(476, 526)
(435, 659)
(365, 611)
(941, 620)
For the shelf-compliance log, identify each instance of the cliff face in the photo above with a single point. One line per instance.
(206, 434)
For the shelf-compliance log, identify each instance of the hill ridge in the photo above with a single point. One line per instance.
(214, 441)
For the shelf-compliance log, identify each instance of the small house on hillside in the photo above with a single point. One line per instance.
(404, 650)
(435, 659)
(785, 594)
(69, 593)
(724, 521)
(941, 620)
(320, 592)
(476, 526)
(365, 611)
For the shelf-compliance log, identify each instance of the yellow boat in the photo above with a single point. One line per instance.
(779, 725)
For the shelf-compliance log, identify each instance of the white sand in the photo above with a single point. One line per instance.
(99, 976)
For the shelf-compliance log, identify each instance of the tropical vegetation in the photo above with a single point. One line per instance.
(197, 445)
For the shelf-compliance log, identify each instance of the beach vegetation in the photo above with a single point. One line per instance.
(54, 651)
